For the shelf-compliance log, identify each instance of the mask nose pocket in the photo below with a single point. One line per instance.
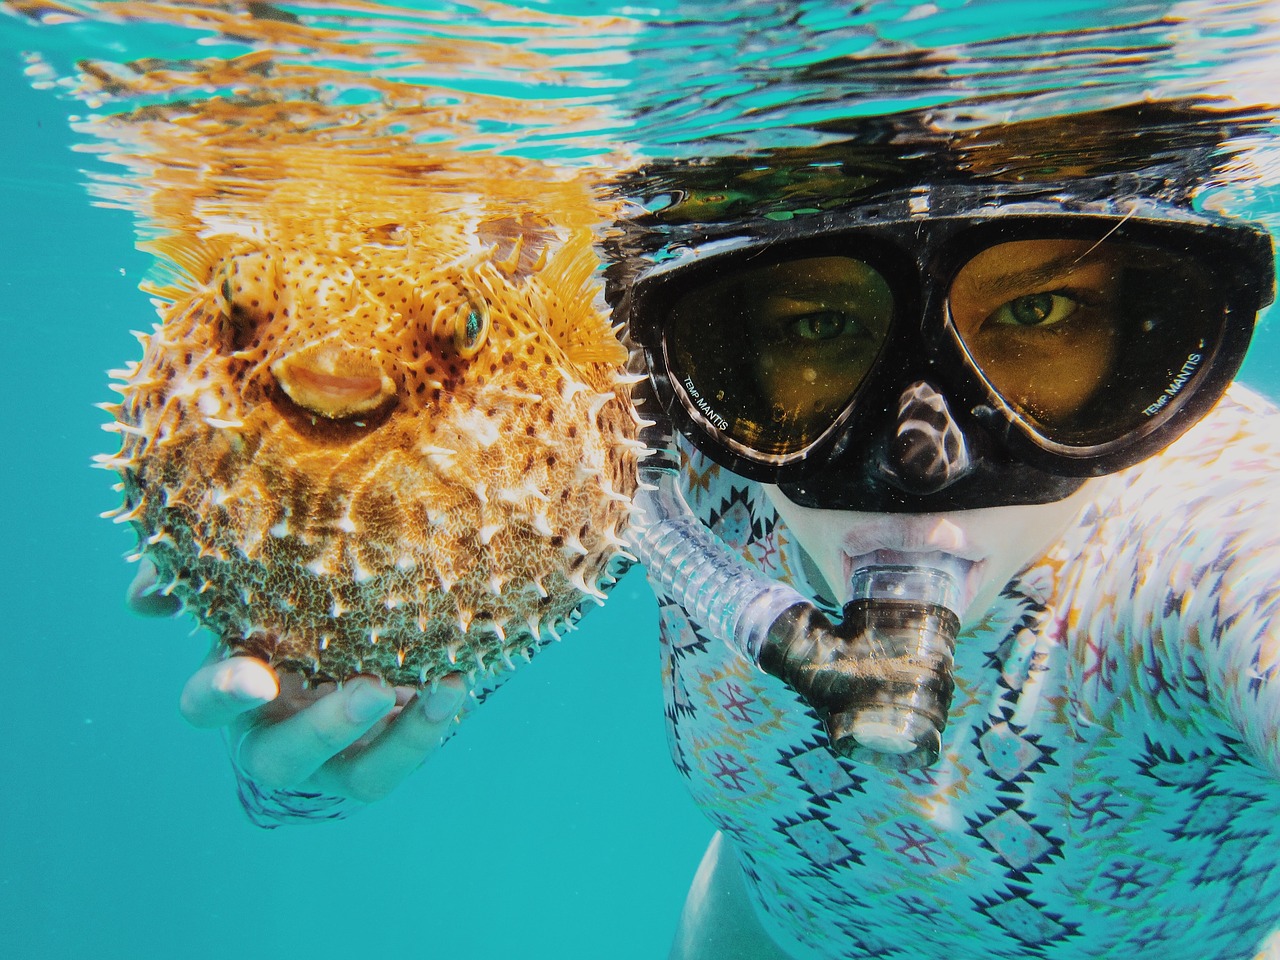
(926, 450)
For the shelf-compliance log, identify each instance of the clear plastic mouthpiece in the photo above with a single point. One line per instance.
(907, 615)
(929, 577)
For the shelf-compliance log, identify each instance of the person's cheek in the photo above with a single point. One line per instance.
(1049, 375)
(1083, 361)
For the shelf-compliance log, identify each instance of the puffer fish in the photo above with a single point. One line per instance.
(356, 444)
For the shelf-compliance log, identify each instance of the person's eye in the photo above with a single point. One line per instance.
(1036, 310)
(823, 325)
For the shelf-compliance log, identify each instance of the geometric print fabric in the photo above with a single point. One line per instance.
(1101, 792)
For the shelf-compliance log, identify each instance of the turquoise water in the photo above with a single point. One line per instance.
(551, 827)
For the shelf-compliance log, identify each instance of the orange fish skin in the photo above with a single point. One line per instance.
(352, 448)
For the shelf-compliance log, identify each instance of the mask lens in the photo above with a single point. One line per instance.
(769, 355)
(1087, 340)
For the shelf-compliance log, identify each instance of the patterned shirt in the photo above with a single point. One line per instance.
(1110, 784)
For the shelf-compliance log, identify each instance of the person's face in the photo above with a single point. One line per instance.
(1038, 317)
(997, 541)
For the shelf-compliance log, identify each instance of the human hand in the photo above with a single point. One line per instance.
(145, 596)
(357, 741)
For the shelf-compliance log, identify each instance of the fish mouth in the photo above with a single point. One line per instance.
(334, 381)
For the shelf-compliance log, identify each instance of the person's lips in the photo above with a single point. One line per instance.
(919, 533)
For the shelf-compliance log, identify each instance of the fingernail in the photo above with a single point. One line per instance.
(445, 703)
(246, 682)
(369, 701)
(253, 683)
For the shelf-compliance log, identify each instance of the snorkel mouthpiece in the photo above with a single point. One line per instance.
(880, 682)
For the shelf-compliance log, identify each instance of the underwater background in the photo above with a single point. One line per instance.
(552, 825)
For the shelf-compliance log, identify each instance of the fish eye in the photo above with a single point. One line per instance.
(471, 328)
(236, 302)
(245, 284)
(228, 293)
(227, 290)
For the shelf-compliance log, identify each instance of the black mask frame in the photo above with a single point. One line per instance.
(919, 252)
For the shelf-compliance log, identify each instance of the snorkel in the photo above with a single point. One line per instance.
(880, 681)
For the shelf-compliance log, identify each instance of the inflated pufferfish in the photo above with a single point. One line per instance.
(348, 450)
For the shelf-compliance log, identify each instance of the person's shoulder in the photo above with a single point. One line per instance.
(1242, 423)
(1235, 447)
(1197, 505)
(1179, 549)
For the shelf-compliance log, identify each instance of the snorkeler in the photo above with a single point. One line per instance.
(930, 381)
(1017, 389)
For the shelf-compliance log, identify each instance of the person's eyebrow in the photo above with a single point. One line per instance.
(809, 288)
(1001, 285)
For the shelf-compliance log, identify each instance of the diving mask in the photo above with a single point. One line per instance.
(917, 357)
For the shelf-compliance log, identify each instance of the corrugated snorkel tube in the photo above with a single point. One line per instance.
(880, 681)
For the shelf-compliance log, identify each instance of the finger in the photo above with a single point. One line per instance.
(284, 754)
(144, 596)
(219, 692)
(370, 772)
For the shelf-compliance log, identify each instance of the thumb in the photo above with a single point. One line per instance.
(144, 596)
